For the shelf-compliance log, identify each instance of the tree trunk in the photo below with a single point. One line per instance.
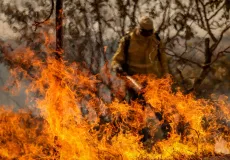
(206, 68)
(59, 27)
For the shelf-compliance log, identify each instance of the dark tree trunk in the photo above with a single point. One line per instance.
(59, 26)
(133, 17)
(206, 68)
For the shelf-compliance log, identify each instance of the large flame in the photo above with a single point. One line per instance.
(73, 122)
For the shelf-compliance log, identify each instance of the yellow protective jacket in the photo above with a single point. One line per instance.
(142, 55)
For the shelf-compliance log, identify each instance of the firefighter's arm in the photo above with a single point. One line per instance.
(118, 58)
(164, 60)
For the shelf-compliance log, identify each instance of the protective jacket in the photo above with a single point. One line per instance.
(142, 55)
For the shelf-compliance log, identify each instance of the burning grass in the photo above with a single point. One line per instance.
(75, 123)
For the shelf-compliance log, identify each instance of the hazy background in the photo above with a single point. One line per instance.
(88, 27)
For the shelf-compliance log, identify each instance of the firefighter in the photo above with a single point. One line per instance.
(141, 52)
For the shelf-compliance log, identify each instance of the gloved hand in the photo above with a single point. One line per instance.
(117, 68)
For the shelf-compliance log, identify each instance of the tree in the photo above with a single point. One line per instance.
(59, 25)
(98, 23)
(210, 18)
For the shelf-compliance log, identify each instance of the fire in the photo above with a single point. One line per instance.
(73, 122)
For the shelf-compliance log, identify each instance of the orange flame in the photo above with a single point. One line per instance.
(62, 131)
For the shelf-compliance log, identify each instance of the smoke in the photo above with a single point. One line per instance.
(7, 98)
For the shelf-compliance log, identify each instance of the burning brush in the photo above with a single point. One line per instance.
(166, 125)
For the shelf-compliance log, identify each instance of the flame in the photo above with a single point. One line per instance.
(221, 146)
(73, 122)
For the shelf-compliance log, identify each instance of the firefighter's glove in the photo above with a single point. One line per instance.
(117, 68)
